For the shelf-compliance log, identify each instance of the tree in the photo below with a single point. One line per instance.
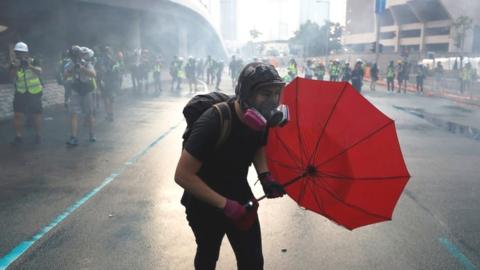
(462, 25)
(318, 40)
(254, 33)
(335, 36)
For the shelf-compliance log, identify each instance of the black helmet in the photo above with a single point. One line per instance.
(253, 77)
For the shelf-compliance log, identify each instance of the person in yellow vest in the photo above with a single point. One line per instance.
(467, 77)
(292, 67)
(25, 72)
(180, 73)
(157, 75)
(335, 71)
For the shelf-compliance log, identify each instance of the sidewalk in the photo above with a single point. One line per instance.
(470, 97)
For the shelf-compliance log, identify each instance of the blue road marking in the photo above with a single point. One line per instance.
(20, 249)
(455, 252)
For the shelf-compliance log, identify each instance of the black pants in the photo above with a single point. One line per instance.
(209, 228)
(419, 84)
(390, 84)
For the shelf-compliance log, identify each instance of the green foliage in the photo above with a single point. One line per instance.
(318, 40)
(462, 25)
(254, 33)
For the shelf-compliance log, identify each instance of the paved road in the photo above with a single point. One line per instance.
(114, 204)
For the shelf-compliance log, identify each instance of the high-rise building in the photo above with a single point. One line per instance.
(228, 19)
(317, 11)
(412, 25)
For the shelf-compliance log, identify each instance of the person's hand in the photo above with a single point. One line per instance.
(271, 188)
(242, 217)
(233, 210)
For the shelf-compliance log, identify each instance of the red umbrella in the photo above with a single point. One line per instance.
(338, 156)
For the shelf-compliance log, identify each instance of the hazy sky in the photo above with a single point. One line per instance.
(276, 18)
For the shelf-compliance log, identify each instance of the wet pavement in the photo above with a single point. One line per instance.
(113, 204)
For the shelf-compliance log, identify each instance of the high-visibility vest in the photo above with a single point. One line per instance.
(287, 78)
(157, 68)
(467, 74)
(27, 80)
(320, 71)
(180, 71)
(292, 69)
(335, 70)
(390, 72)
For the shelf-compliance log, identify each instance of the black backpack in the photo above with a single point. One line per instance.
(201, 103)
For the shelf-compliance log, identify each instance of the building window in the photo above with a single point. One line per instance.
(387, 35)
(409, 48)
(410, 33)
(437, 31)
(441, 47)
(388, 49)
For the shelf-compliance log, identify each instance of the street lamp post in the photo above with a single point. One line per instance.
(380, 6)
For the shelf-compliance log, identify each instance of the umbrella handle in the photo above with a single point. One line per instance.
(249, 204)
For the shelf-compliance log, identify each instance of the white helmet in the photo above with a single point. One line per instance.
(87, 52)
(21, 47)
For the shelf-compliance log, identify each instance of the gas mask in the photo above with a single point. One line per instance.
(252, 79)
(269, 113)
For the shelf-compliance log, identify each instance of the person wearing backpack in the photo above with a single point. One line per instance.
(82, 74)
(219, 146)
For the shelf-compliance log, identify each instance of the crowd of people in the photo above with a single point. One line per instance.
(90, 76)
(208, 70)
(336, 70)
(397, 75)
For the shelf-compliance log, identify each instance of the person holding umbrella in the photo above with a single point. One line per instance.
(214, 177)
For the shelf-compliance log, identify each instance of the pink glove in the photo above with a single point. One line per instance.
(234, 210)
(241, 217)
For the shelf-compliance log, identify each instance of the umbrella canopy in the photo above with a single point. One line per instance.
(338, 156)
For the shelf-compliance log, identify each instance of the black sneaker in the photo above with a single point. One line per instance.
(17, 141)
(92, 138)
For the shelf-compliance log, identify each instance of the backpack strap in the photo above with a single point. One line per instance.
(225, 122)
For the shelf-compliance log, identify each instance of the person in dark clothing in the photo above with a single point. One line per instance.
(374, 76)
(190, 72)
(357, 76)
(233, 70)
(320, 71)
(110, 80)
(174, 72)
(421, 74)
(346, 73)
(218, 73)
(215, 178)
(210, 68)
(400, 75)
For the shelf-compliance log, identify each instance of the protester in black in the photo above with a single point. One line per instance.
(357, 76)
(215, 177)
(374, 77)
